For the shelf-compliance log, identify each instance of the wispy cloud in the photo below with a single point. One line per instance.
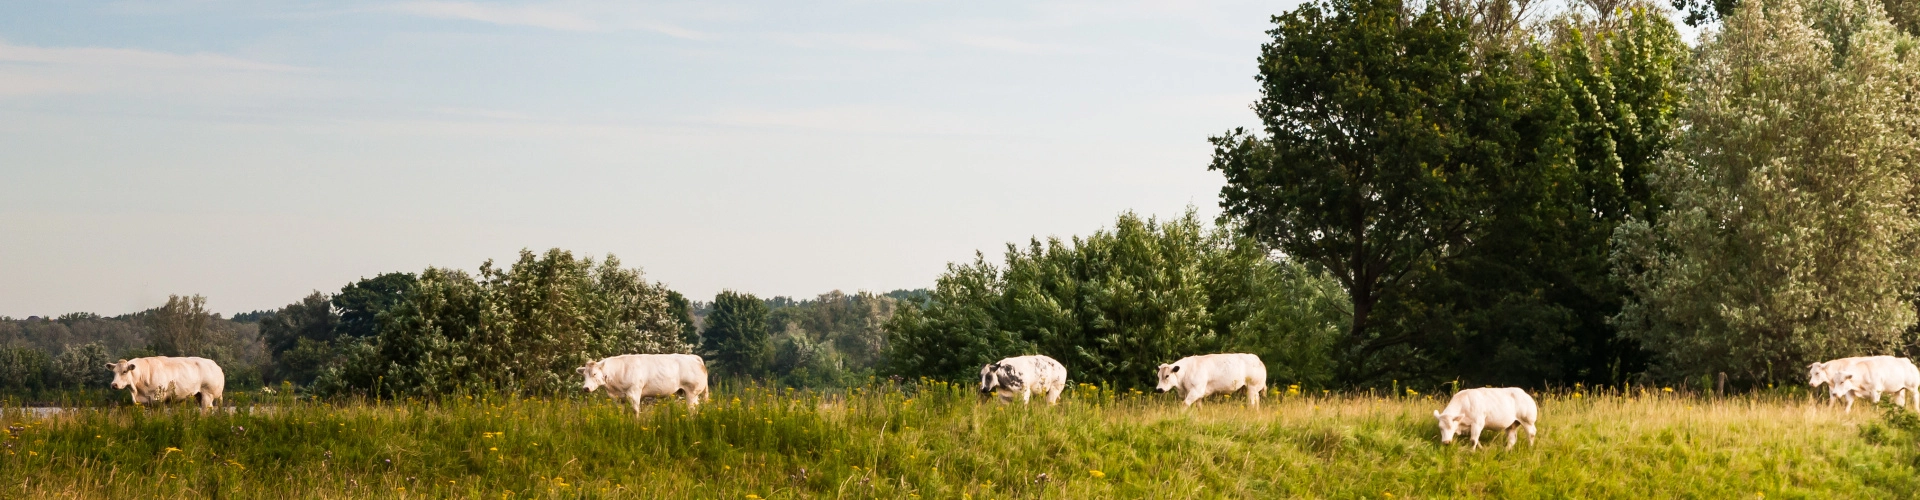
(553, 17)
(31, 70)
(132, 58)
(857, 41)
(1005, 44)
(536, 17)
(865, 120)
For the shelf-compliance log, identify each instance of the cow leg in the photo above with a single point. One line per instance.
(1053, 394)
(1253, 396)
(1193, 397)
(634, 397)
(1530, 432)
(1478, 425)
(1513, 434)
(1026, 395)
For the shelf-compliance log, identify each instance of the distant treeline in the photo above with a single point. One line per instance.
(522, 328)
(40, 356)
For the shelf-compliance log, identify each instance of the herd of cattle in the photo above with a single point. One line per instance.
(637, 377)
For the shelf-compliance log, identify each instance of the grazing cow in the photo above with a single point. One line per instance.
(159, 379)
(1197, 377)
(640, 376)
(1504, 408)
(1024, 376)
(1871, 377)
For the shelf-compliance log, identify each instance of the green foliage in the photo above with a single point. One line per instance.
(308, 325)
(1904, 14)
(682, 311)
(832, 340)
(80, 366)
(1424, 162)
(735, 337)
(1793, 224)
(22, 368)
(521, 329)
(360, 303)
(1114, 305)
(180, 327)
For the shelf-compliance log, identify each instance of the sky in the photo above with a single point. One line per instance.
(255, 151)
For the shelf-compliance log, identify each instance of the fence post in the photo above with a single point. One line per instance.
(1720, 386)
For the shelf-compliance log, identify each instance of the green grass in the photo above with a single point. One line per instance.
(940, 441)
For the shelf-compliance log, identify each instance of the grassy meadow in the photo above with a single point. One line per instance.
(940, 441)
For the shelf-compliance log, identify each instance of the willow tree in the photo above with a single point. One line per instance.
(1792, 229)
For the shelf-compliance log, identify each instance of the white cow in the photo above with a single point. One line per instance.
(1503, 408)
(159, 379)
(1024, 376)
(1827, 373)
(1871, 377)
(640, 376)
(1200, 376)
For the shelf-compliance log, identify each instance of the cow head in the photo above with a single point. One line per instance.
(1816, 374)
(122, 373)
(995, 377)
(1844, 383)
(1449, 425)
(591, 373)
(1169, 378)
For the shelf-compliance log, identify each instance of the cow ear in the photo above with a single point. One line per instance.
(1176, 368)
(110, 366)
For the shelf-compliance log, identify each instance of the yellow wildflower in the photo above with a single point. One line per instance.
(1666, 389)
(1096, 474)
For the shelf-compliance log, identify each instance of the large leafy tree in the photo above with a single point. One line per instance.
(1388, 140)
(1792, 230)
(180, 328)
(303, 329)
(360, 303)
(311, 318)
(1528, 299)
(523, 328)
(736, 334)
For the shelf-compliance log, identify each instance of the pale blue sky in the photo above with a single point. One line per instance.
(252, 151)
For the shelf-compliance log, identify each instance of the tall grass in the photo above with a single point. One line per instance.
(940, 441)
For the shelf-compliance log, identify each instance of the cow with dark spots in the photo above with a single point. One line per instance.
(1023, 376)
